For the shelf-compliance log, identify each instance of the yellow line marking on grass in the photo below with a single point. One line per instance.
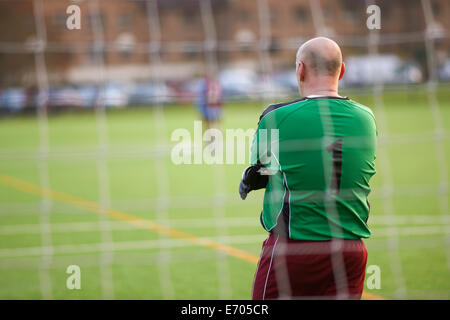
(94, 207)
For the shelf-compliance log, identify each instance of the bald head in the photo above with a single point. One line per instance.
(321, 56)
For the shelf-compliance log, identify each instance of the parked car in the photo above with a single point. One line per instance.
(387, 69)
(148, 93)
(239, 83)
(444, 71)
(13, 99)
(268, 88)
(113, 95)
(409, 73)
(288, 80)
(64, 97)
(186, 91)
(89, 95)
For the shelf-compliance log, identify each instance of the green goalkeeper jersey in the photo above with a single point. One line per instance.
(320, 159)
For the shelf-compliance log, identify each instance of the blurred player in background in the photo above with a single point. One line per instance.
(318, 190)
(210, 100)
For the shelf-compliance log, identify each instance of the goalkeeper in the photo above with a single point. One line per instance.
(315, 206)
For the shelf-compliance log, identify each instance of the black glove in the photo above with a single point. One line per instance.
(252, 179)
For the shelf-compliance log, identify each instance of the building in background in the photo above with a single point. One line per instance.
(246, 33)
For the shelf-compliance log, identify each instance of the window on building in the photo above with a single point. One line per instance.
(436, 9)
(93, 19)
(97, 54)
(274, 15)
(190, 55)
(350, 15)
(125, 20)
(301, 14)
(352, 10)
(328, 14)
(190, 17)
(125, 54)
(274, 47)
(59, 20)
(244, 16)
(190, 51)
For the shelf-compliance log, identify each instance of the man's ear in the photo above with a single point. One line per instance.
(342, 71)
(301, 72)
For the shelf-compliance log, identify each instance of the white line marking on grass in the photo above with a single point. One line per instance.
(412, 225)
(123, 246)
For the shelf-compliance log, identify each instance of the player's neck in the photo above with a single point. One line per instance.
(324, 93)
(319, 89)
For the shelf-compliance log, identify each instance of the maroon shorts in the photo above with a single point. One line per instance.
(310, 269)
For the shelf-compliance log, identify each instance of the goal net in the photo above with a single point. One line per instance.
(92, 204)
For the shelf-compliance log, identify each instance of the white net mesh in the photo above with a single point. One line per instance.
(165, 210)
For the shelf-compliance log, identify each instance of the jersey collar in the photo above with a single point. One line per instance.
(314, 96)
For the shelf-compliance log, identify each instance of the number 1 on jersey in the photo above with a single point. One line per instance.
(336, 149)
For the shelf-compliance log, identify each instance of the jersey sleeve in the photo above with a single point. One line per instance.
(260, 150)
(256, 150)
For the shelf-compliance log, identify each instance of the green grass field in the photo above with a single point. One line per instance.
(201, 200)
